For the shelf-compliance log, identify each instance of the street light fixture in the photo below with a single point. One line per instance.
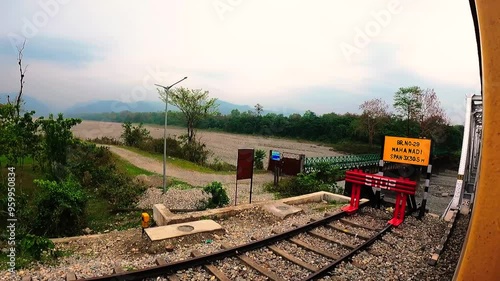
(165, 133)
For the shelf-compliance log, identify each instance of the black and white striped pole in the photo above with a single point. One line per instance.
(377, 190)
(380, 173)
(426, 191)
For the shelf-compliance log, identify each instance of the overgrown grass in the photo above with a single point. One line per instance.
(177, 184)
(101, 218)
(184, 164)
(99, 213)
(129, 168)
(329, 205)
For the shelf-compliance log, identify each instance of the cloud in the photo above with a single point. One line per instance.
(55, 50)
(283, 52)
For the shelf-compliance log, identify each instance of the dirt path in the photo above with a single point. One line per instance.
(191, 177)
(224, 145)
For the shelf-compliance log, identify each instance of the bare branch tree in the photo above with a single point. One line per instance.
(431, 117)
(258, 109)
(22, 73)
(374, 112)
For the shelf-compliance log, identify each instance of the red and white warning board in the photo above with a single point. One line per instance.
(407, 150)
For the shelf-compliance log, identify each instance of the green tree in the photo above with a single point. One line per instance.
(407, 102)
(57, 137)
(194, 104)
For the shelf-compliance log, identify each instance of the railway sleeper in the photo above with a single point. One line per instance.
(347, 231)
(343, 244)
(323, 252)
(355, 224)
(319, 251)
(250, 262)
(293, 259)
(212, 269)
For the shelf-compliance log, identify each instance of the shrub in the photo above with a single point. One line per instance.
(299, 185)
(258, 159)
(94, 167)
(91, 164)
(134, 135)
(34, 246)
(219, 165)
(156, 146)
(105, 140)
(60, 208)
(194, 151)
(326, 172)
(121, 191)
(323, 178)
(218, 197)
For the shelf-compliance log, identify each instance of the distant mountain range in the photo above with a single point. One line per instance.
(30, 103)
(101, 106)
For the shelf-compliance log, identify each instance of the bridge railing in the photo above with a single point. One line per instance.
(343, 162)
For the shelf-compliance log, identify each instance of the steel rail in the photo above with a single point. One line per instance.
(170, 268)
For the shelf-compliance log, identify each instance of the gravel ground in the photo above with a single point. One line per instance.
(441, 189)
(447, 262)
(403, 260)
(401, 256)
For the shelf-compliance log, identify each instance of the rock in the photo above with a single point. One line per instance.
(169, 248)
(445, 194)
(87, 230)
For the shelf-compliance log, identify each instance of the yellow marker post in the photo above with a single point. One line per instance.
(144, 222)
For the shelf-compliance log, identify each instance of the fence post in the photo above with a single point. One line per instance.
(269, 161)
(302, 162)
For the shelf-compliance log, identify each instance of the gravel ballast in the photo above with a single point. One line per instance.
(400, 258)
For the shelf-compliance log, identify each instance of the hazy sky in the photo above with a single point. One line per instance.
(326, 56)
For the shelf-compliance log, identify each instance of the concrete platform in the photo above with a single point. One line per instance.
(161, 214)
(281, 210)
(181, 229)
(168, 219)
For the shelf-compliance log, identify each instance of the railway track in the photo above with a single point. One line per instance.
(307, 252)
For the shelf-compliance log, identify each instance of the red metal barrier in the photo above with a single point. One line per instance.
(402, 186)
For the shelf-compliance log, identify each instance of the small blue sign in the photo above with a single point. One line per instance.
(275, 155)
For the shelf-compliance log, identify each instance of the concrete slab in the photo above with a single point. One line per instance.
(181, 229)
(169, 218)
(161, 214)
(281, 210)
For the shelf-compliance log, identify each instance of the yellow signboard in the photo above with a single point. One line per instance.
(407, 150)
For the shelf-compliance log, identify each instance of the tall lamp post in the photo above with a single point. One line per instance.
(165, 134)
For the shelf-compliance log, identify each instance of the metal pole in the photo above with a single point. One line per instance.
(165, 134)
(165, 144)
